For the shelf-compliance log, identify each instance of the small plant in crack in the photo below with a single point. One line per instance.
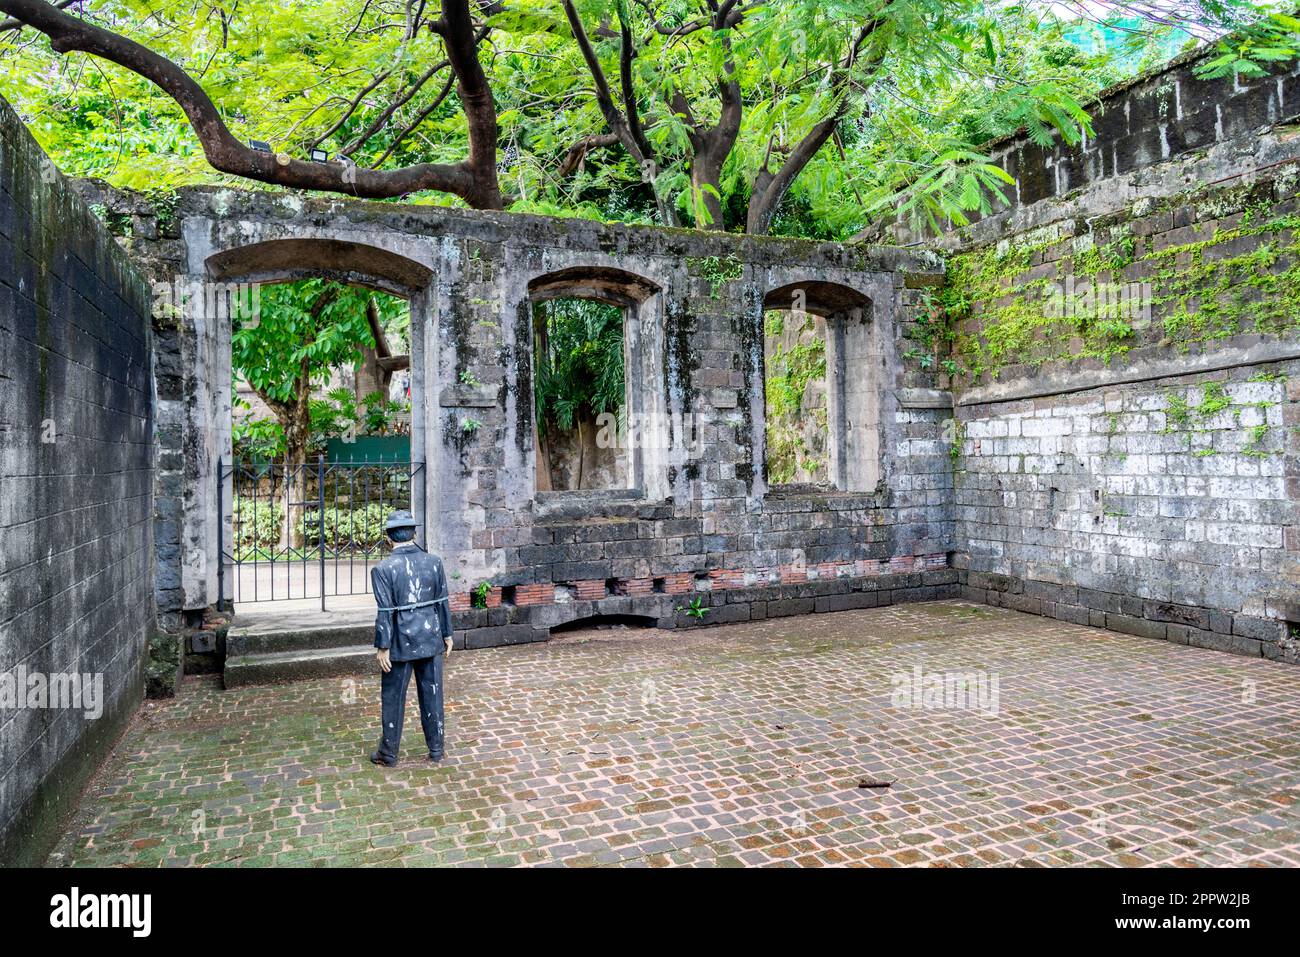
(695, 608)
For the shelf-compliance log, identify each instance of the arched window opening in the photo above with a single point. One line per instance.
(794, 388)
(580, 392)
(320, 437)
(588, 379)
(821, 396)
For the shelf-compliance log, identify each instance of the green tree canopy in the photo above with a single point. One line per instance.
(807, 117)
(297, 335)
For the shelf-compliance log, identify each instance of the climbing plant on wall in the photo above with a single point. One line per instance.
(1237, 270)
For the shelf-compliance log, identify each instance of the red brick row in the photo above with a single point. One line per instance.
(681, 583)
(542, 594)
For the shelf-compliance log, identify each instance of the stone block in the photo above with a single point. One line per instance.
(1136, 626)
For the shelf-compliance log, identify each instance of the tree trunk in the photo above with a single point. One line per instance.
(542, 456)
(296, 421)
(708, 208)
(711, 149)
(582, 454)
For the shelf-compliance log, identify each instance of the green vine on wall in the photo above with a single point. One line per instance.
(716, 271)
(1016, 322)
(1241, 275)
(1182, 416)
(933, 330)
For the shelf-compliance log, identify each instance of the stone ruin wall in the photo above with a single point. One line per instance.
(1136, 470)
(701, 522)
(1129, 471)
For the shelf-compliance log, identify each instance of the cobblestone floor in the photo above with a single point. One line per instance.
(737, 745)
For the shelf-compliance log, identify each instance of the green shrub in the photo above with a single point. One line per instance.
(358, 528)
(258, 440)
(257, 526)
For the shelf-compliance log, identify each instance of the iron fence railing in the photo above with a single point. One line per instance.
(310, 530)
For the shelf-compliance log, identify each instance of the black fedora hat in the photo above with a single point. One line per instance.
(400, 519)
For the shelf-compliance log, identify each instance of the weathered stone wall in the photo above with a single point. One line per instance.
(1117, 508)
(1121, 340)
(1127, 337)
(700, 521)
(703, 525)
(76, 549)
(150, 233)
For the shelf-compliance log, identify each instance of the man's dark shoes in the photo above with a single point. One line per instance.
(435, 759)
(379, 759)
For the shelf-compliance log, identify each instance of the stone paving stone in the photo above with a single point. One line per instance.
(740, 745)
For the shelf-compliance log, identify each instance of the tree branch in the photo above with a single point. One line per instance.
(733, 16)
(770, 188)
(415, 123)
(352, 107)
(614, 118)
(474, 179)
(15, 24)
(380, 121)
(475, 99)
(626, 54)
(576, 153)
(634, 141)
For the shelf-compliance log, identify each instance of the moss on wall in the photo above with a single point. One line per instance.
(1189, 270)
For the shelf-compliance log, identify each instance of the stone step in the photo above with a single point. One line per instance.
(242, 641)
(300, 663)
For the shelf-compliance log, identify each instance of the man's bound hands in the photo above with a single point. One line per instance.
(447, 642)
(385, 662)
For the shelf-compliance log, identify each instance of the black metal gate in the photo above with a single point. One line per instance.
(301, 531)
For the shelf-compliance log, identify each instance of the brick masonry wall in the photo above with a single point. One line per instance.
(1153, 136)
(76, 549)
(150, 234)
(706, 526)
(1159, 285)
(1186, 194)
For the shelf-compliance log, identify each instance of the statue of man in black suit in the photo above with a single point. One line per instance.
(412, 634)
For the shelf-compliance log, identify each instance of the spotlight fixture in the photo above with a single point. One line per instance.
(260, 146)
(320, 156)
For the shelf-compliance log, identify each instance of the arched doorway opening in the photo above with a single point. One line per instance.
(316, 379)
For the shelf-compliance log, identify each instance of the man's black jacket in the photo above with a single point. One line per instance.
(406, 578)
